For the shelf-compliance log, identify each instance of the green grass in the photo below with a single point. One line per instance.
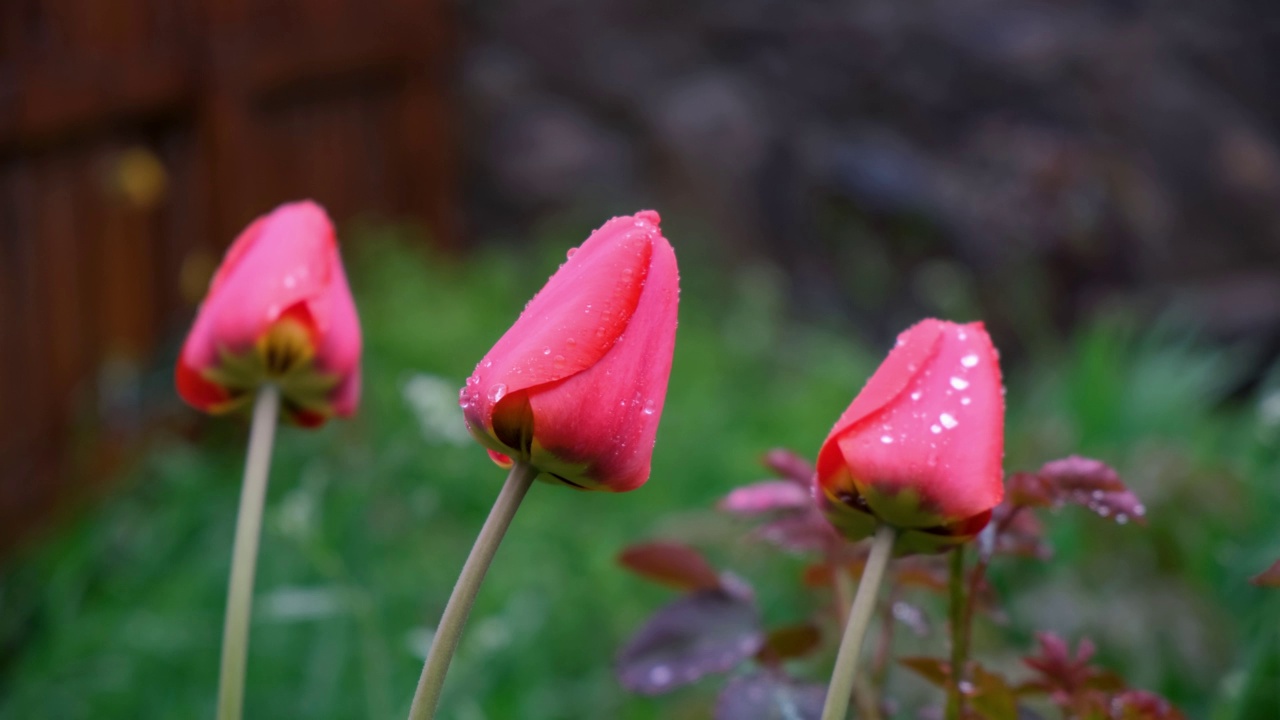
(118, 614)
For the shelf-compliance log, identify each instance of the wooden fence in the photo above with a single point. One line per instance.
(136, 138)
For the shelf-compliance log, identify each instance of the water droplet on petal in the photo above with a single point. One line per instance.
(959, 383)
(497, 392)
(570, 253)
(935, 429)
(648, 407)
(965, 401)
(487, 363)
(969, 360)
(886, 439)
(915, 395)
(558, 361)
(947, 420)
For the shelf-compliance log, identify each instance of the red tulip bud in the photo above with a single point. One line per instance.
(921, 447)
(279, 311)
(576, 386)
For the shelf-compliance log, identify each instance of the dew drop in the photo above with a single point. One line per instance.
(546, 351)
(497, 392)
(959, 383)
(487, 363)
(648, 407)
(570, 253)
(947, 420)
(969, 360)
(915, 395)
(962, 335)
(886, 439)
(935, 429)
(558, 361)
(571, 342)
(473, 380)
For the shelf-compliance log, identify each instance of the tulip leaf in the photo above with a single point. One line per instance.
(671, 564)
(701, 633)
(770, 695)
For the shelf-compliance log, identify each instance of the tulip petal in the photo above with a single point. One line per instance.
(574, 320)
(611, 424)
(924, 449)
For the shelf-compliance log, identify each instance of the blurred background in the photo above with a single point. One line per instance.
(1099, 181)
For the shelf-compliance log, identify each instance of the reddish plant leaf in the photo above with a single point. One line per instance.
(987, 693)
(936, 670)
(703, 632)
(770, 695)
(1269, 578)
(1019, 533)
(789, 642)
(1080, 481)
(1068, 680)
(926, 572)
(806, 532)
(672, 564)
(790, 466)
(1142, 705)
(767, 496)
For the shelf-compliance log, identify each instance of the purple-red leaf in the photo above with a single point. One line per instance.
(672, 564)
(986, 692)
(936, 670)
(767, 496)
(789, 465)
(786, 643)
(1269, 578)
(770, 696)
(1143, 705)
(703, 632)
(1080, 481)
(1068, 679)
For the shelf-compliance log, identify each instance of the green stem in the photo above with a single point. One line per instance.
(959, 636)
(464, 592)
(864, 603)
(244, 555)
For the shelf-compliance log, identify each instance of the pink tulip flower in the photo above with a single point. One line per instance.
(278, 310)
(576, 386)
(921, 447)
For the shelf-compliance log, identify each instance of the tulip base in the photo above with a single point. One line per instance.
(244, 555)
(430, 685)
(864, 603)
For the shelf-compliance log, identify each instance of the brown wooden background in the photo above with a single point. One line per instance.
(137, 137)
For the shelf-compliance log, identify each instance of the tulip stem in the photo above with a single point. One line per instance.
(864, 603)
(458, 608)
(244, 554)
(959, 636)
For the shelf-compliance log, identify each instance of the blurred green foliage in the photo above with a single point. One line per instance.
(118, 614)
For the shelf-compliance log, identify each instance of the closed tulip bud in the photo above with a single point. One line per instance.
(278, 311)
(921, 446)
(575, 388)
